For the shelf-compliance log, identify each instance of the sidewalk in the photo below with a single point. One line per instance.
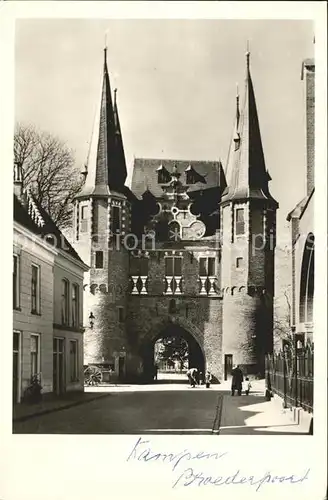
(50, 403)
(255, 415)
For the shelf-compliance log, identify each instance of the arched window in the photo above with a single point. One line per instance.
(307, 282)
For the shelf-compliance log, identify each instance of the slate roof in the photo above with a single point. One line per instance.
(21, 215)
(145, 175)
(106, 168)
(246, 173)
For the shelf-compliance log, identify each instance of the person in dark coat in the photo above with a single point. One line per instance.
(237, 381)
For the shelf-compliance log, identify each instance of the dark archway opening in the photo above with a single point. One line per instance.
(171, 368)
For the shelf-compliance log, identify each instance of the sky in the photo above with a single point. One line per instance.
(176, 82)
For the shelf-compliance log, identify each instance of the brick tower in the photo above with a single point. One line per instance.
(101, 221)
(248, 215)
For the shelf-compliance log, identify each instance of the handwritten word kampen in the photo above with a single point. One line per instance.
(190, 477)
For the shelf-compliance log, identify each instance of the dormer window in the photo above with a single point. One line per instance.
(192, 177)
(163, 175)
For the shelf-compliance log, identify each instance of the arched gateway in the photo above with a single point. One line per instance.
(172, 328)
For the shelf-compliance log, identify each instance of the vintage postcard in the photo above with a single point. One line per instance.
(168, 249)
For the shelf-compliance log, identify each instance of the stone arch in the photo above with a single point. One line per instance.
(167, 327)
(307, 281)
(233, 290)
(156, 328)
(242, 289)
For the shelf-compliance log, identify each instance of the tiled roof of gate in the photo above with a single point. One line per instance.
(145, 174)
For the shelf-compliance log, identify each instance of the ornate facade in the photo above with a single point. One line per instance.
(187, 251)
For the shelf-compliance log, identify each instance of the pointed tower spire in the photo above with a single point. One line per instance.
(246, 173)
(106, 170)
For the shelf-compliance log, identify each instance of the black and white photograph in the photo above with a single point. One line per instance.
(164, 241)
(164, 218)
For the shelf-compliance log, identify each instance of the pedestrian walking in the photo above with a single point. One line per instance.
(208, 379)
(237, 381)
(192, 376)
(155, 372)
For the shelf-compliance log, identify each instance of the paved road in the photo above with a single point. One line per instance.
(166, 409)
(171, 410)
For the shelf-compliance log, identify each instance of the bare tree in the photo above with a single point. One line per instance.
(282, 324)
(48, 170)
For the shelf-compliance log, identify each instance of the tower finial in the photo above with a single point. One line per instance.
(105, 46)
(247, 54)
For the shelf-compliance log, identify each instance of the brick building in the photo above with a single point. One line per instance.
(187, 251)
(302, 225)
(47, 301)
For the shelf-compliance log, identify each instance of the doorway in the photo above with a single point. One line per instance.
(227, 366)
(58, 365)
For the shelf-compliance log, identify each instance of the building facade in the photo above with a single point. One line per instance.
(47, 301)
(188, 251)
(301, 220)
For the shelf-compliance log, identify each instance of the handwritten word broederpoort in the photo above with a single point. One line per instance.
(145, 454)
(191, 478)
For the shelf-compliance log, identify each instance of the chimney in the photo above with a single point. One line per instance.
(308, 75)
(18, 180)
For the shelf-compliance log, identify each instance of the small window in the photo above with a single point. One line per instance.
(35, 355)
(16, 282)
(84, 212)
(73, 361)
(173, 266)
(207, 266)
(202, 267)
(116, 222)
(143, 266)
(211, 266)
(35, 289)
(240, 222)
(75, 305)
(64, 302)
(239, 262)
(120, 314)
(99, 260)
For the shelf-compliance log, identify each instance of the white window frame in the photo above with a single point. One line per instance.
(75, 304)
(75, 377)
(16, 301)
(63, 322)
(19, 389)
(38, 359)
(37, 310)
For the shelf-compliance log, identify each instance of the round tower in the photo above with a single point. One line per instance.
(248, 214)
